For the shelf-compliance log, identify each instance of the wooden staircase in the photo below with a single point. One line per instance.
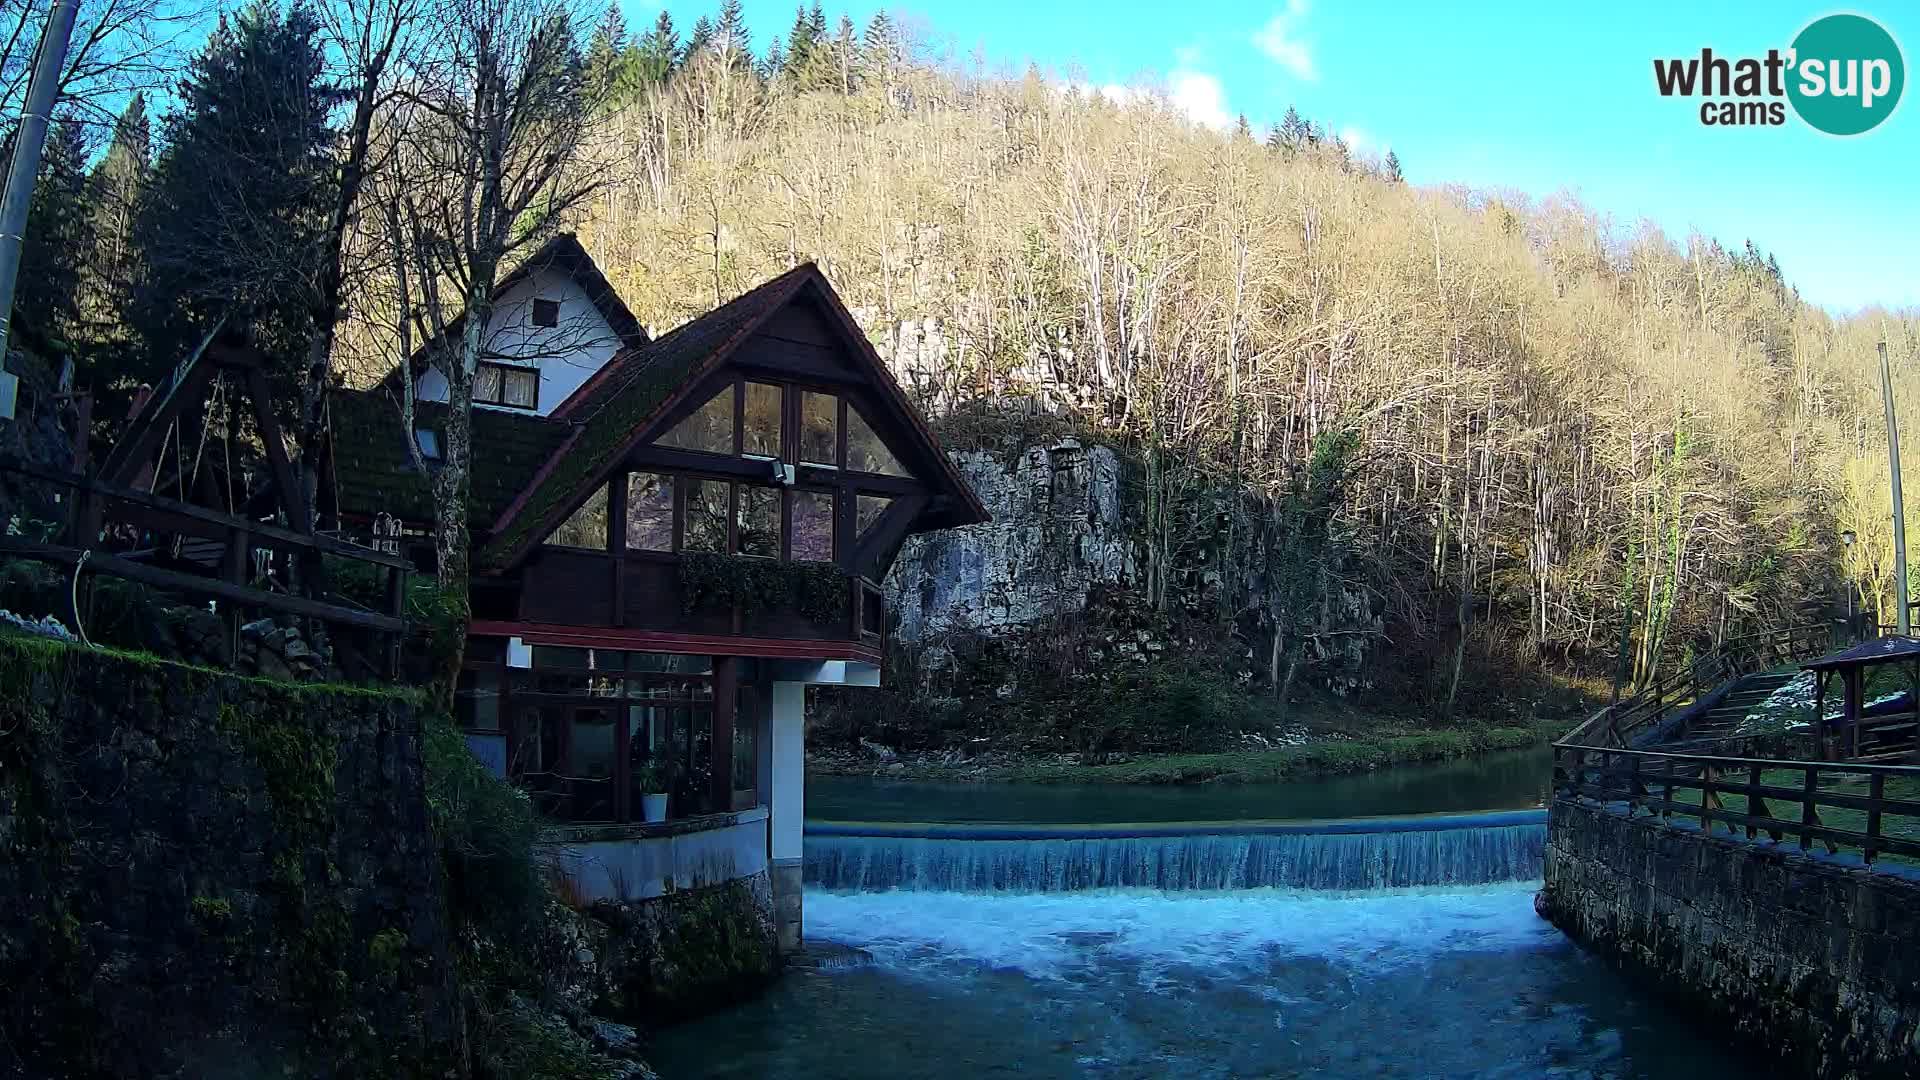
(1722, 721)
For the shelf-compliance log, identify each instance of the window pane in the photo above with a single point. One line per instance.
(523, 387)
(486, 383)
(710, 429)
(819, 428)
(867, 510)
(759, 521)
(649, 512)
(587, 528)
(813, 526)
(865, 451)
(761, 432)
(706, 517)
(555, 656)
(590, 764)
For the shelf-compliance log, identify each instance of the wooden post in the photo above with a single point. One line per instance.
(1876, 791)
(726, 696)
(1808, 815)
(1709, 801)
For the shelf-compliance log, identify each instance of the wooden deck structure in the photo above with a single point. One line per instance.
(1860, 733)
(112, 526)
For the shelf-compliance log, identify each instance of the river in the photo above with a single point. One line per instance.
(1216, 942)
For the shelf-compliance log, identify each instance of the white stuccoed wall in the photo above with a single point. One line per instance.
(567, 355)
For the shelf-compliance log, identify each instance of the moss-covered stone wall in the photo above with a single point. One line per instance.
(208, 875)
(688, 951)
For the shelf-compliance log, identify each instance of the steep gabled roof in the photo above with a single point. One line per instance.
(617, 409)
(566, 254)
(373, 473)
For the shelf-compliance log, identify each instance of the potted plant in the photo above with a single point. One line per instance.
(651, 779)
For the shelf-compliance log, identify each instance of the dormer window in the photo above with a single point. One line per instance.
(546, 313)
(429, 443)
(506, 384)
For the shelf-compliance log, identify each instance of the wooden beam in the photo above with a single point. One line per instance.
(150, 426)
(328, 544)
(726, 696)
(173, 579)
(290, 501)
(886, 536)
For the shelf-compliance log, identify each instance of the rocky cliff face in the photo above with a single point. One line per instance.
(1060, 528)
(1070, 623)
(1069, 532)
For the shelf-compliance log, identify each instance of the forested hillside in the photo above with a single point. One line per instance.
(1565, 423)
(1552, 433)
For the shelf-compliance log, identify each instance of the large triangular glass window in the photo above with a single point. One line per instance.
(865, 452)
(709, 429)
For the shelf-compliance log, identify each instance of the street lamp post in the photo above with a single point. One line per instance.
(1853, 620)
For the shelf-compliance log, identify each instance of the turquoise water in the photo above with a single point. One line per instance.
(1439, 982)
(1503, 781)
(1208, 945)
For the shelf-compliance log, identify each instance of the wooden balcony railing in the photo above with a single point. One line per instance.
(122, 532)
(1868, 809)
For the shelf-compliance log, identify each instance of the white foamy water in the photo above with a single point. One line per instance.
(1067, 936)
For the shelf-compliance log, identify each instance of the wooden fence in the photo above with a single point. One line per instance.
(1869, 809)
(1618, 724)
(119, 531)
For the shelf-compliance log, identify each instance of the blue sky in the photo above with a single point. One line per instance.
(1540, 97)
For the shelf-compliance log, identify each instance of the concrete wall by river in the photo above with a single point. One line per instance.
(1811, 961)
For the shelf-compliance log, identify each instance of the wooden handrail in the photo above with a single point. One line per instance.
(1613, 725)
(86, 551)
(1647, 780)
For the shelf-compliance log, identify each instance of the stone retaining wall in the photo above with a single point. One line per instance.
(1808, 960)
(205, 875)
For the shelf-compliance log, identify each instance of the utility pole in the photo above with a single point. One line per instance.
(1899, 515)
(28, 140)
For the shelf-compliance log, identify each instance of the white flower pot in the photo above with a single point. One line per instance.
(653, 808)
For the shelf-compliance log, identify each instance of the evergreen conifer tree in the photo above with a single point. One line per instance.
(730, 34)
(1392, 166)
(611, 59)
(59, 237)
(699, 41)
(658, 52)
(1295, 132)
(802, 41)
(113, 192)
(1242, 129)
(231, 223)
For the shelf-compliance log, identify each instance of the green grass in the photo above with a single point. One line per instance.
(1901, 826)
(1320, 757)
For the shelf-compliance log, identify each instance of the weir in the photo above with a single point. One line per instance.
(1370, 853)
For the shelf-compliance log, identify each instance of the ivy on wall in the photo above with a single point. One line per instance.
(817, 590)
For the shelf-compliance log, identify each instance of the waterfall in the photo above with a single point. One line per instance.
(1465, 849)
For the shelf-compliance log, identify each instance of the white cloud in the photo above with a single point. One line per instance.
(1358, 138)
(1200, 97)
(1280, 39)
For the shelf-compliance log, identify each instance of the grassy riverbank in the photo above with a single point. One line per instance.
(1329, 754)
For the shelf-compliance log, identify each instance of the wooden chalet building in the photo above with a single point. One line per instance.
(672, 537)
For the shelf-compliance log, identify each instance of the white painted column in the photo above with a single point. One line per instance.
(787, 808)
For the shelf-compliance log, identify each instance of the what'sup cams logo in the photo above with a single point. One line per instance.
(1843, 75)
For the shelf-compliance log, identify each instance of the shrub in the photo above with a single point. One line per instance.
(486, 828)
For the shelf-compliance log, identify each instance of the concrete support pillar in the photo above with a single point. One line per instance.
(786, 804)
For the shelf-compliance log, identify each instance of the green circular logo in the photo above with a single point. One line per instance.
(1847, 74)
